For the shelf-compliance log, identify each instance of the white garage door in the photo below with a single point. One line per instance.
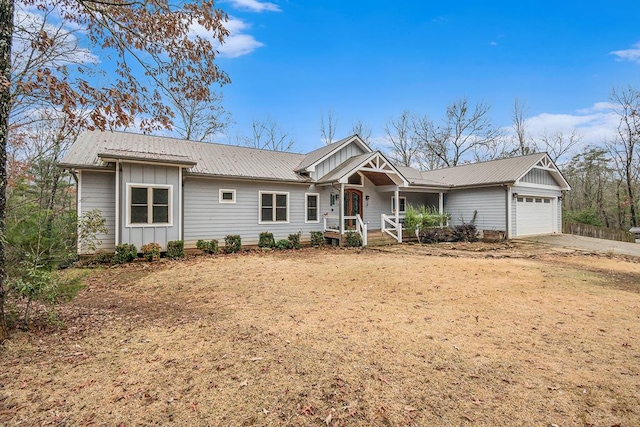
(535, 216)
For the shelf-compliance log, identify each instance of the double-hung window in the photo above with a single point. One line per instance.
(148, 205)
(312, 207)
(274, 207)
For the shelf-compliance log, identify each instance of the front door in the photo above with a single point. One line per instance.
(352, 206)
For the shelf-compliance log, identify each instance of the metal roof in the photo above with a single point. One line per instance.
(500, 171)
(210, 159)
(345, 168)
(110, 154)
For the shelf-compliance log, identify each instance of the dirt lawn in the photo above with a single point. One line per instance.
(428, 336)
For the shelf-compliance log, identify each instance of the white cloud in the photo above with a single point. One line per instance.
(595, 124)
(632, 54)
(255, 6)
(236, 44)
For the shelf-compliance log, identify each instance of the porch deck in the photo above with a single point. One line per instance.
(374, 238)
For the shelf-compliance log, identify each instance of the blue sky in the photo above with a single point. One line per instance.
(292, 60)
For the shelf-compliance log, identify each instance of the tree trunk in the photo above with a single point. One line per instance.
(6, 32)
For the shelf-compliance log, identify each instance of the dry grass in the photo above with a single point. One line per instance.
(479, 335)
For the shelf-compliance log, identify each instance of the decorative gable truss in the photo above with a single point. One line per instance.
(544, 173)
(378, 170)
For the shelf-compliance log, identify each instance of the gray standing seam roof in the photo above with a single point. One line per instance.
(209, 159)
(319, 153)
(484, 173)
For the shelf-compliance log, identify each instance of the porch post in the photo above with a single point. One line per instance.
(341, 216)
(396, 195)
(441, 206)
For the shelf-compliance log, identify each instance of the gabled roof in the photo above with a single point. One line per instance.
(93, 147)
(494, 172)
(370, 164)
(318, 155)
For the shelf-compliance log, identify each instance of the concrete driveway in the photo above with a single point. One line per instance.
(589, 244)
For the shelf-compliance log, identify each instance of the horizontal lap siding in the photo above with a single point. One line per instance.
(98, 192)
(205, 218)
(489, 202)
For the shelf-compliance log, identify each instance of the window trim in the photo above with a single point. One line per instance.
(393, 201)
(227, 190)
(274, 194)
(149, 187)
(306, 208)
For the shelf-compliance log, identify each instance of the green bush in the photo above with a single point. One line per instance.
(294, 240)
(422, 218)
(208, 246)
(101, 257)
(353, 239)
(125, 252)
(266, 240)
(317, 238)
(175, 249)
(150, 251)
(283, 244)
(585, 216)
(232, 243)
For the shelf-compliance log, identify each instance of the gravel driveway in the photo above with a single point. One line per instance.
(589, 244)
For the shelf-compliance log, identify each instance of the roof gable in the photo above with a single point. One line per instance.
(369, 164)
(494, 172)
(319, 155)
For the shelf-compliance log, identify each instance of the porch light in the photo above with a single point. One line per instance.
(515, 195)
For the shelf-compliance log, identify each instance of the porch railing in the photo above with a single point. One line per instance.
(391, 227)
(351, 223)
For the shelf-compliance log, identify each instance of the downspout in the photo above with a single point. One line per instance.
(341, 216)
(79, 204)
(117, 231)
(509, 218)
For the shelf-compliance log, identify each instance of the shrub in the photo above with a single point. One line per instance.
(266, 240)
(585, 216)
(175, 249)
(294, 240)
(353, 239)
(151, 251)
(102, 257)
(465, 233)
(208, 247)
(125, 252)
(283, 244)
(422, 218)
(317, 238)
(232, 243)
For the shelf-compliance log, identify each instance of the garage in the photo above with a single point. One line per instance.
(535, 215)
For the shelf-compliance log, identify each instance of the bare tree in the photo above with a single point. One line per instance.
(328, 127)
(199, 120)
(362, 130)
(268, 135)
(519, 125)
(465, 131)
(404, 145)
(624, 149)
(558, 144)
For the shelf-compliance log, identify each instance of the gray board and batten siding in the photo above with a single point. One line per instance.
(146, 174)
(336, 159)
(97, 190)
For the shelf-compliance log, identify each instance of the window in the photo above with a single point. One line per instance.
(403, 204)
(547, 200)
(520, 199)
(148, 205)
(529, 199)
(227, 196)
(274, 207)
(311, 207)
